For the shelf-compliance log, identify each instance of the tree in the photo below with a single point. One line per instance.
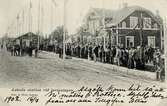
(83, 33)
(57, 34)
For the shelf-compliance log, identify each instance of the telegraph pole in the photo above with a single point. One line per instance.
(141, 29)
(64, 30)
(17, 24)
(38, 23)
(23, 22)
(42, 14)
(52, 17)
(30, 20)
(165, 47)
(51, 20)
(103, 19)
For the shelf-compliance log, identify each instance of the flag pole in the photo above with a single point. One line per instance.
(17, 25)
(64, 29)
(165, 47)
(30, 20)
(38, 23)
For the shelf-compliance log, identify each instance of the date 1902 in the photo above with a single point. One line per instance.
(12, 99)
(32, 99)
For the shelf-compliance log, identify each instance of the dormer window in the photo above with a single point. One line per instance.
(155, 25)
(147, 22)
(123, 24)
(133, 21)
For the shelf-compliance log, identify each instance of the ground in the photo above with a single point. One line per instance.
(50, 71)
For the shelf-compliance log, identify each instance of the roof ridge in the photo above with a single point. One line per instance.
(119, 14)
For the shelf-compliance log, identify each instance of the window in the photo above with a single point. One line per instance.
(151, 41)
(27, 43)
(93, 26)
(147, 23)
(97, 23)
(108, 22)
(133, 22)
(18, 42)
(155, 25)
(123, 24)
(129, 41)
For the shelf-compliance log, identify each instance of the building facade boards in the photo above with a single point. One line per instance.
(128, 27)
(27, 40)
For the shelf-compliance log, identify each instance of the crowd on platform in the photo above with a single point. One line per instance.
(18, 50)
(133, 58)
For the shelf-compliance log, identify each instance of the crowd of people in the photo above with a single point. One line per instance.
(21, 50)
(132, 58)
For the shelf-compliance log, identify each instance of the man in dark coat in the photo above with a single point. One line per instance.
(95, 52)
(90, 54)
(82, 51)
(101, 50)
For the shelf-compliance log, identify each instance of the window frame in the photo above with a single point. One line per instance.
(149, 39)
(133, 21)
(124, 25)
(147, 22)
(155, 26)
(131, 38)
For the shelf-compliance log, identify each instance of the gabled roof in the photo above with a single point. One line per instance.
(119, 15)
(27, 34)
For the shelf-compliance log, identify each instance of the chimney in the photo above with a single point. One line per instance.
(125, 5)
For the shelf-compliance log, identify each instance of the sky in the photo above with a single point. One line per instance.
(53, 12)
